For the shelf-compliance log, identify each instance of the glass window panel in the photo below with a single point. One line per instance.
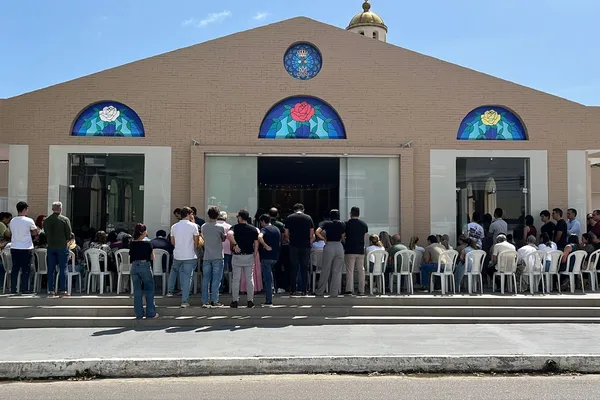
(231, 183)
(373, 184)
(485, 183)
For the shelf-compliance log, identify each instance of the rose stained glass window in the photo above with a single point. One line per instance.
(302, 117)
(302, 61)
(108, 118)
(491, 123)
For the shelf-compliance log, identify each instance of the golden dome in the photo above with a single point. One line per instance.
(366, 18)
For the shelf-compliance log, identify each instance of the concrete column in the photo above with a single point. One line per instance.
(18, 175)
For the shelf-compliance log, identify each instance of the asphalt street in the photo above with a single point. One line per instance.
(331, 387)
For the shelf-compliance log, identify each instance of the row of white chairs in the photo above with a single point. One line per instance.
(97, 269)
(407, 263)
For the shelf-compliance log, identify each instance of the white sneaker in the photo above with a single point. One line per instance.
(185, 305)
(169, 294)
(205, 305)
(280, 290)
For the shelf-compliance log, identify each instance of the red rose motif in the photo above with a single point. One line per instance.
(302, 112)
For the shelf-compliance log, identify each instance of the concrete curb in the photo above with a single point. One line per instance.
(144, 368)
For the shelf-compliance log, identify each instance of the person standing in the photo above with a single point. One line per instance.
(58, 232)
(332, 233)
(245, 247)
(475, 230)
(300, 230)
(573, 224)
(354, 248)
(498, 226)
(197, 220)
(560, 232)
(226, 250)
(213, 234)
(22, 228)
(141, 255)
(185, 238)
(270, 239)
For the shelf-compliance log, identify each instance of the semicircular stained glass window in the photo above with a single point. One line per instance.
(108, 118)
(302, 117)
(303, 61)
(491, 123)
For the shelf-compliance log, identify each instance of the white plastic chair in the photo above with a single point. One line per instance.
(578, 257)
(7, 262)
(92, 257)
(592, 269)
(123, 268)
(416, 270)
(555, 257)
(316, 263)
(71, 273)
(405, 268)
(41, 268)
(157, 267)
(474, 260)
(535, 268)
(445, 270)
(507, 267)
(381, 257)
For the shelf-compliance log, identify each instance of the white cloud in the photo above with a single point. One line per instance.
(211, 18)
(260, 16)
(214, 18)
(188, 22)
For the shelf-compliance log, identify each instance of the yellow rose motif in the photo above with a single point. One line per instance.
(491, 118)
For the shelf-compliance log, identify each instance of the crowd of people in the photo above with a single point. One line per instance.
(272, 254)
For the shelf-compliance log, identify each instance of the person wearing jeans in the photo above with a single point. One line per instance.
(21, 248)
(270, 240)
(141, 255)
(185, 239)
(58, 231)
(213, 234)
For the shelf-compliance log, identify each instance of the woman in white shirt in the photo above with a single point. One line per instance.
(374, 244)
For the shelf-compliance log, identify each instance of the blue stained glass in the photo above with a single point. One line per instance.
(491, 123)
(108, 118)
(303, 61)
(302, 117)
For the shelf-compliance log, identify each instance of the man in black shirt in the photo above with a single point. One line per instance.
(549, 227)
(300, 230)
(160, 242)
(354, 246)
(560, 232)
(245, 246)
(197, 220)
(281, 269)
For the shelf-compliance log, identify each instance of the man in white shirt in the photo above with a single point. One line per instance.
(185, 239)
(499, 226)
(500, 246)
(573, 225)
(475, 230)
(21, 248)
(526, 250)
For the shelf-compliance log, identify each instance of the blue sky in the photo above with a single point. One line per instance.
(550, 45)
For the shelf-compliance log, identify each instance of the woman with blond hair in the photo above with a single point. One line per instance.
(374, 244)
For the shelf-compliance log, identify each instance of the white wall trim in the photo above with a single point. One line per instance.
(578, 170)
(18, 175)
(442, 181)
(157, 178)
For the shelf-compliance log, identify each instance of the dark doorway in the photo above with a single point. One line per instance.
(312, 181)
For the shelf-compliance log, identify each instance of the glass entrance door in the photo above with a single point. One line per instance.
(231, 184)
(373, 185)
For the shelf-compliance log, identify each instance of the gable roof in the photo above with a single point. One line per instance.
(378, 54)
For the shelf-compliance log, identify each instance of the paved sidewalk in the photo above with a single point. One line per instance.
(122, 352)
(294, 341)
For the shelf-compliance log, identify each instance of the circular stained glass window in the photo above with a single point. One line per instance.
(303, 61)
